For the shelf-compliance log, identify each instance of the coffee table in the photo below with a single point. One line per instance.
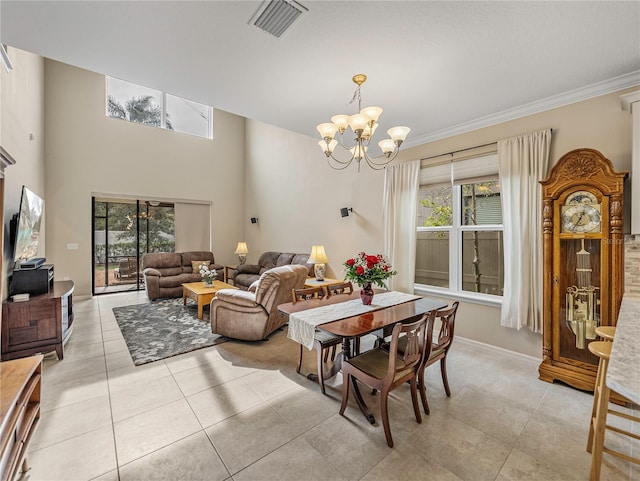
(201, 294)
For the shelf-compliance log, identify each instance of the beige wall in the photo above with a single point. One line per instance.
(297, 198)
(87, 152)
(22, 114)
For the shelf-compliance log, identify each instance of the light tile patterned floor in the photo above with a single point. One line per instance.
(239, 411)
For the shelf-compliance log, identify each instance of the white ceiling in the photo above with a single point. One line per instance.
(434, 66)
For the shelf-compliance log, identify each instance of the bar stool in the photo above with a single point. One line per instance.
(601, 394)
(606, 332)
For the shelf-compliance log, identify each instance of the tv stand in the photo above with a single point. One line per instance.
(39, 325)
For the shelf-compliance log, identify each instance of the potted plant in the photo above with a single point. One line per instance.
(365, 270)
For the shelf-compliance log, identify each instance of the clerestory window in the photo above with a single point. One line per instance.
(135, 103)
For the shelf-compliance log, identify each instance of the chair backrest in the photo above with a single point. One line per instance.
(307, 293)
(342, 288)
(274, 286)
(447, 319)
(419, 335)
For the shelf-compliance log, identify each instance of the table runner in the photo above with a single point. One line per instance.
(302, 325)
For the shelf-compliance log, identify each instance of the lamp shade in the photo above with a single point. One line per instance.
(242, 248)
(318, 256)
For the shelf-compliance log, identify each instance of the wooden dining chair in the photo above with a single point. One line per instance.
(341, 288)
(307, 293)
(438, 352)
(385, 370)
(324, 342)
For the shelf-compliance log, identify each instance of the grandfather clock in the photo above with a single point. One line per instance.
(583, 263)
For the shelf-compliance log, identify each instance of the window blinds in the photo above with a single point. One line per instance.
(475, 169)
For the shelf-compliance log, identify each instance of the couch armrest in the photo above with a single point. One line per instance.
(248, 269)
(150, 271)
(237, 297)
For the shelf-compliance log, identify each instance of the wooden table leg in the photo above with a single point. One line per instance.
(200, 306)
(346, 351)
(184, 297)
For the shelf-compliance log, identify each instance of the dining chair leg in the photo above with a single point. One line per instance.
(334, 349)
(445, 380)
(414, 399)
(384, 412)
(594, 408)
(320, 351)
(299, 360)
(422, 386)
(346, 380)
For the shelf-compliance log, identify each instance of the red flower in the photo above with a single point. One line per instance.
(386, 268)
(350, 262)
(359, 270)
(373, 260)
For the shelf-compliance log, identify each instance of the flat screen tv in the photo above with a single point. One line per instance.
(27, 227)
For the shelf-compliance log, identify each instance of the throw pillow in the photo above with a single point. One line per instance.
(196, 265)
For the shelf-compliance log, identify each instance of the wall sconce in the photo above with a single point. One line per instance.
(254, 220)
(344, 212)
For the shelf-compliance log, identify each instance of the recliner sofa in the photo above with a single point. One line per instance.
(253, 315)
(165, 272)
(247, 274)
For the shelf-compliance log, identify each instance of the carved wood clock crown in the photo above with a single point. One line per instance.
(583, 270)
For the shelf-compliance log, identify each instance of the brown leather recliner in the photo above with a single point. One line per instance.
(165, 272)
(252, 316)
(247, 274)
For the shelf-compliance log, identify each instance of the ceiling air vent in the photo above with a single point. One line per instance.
(276, 16)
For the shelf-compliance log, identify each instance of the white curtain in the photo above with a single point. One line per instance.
(399, 221)
(523, 163)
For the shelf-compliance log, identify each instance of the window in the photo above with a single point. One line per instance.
(459, 235)
(135, 103)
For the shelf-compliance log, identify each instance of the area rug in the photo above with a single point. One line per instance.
(165, 328)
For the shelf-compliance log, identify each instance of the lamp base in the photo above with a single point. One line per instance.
(242, 258)
(319, 270)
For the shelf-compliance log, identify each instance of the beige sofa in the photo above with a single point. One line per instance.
(247, 274)
(165, 272)
(252, 316)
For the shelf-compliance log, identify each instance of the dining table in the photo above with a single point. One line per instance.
(377, 318)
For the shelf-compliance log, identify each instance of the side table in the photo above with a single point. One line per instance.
(313, 282)
(228, 271)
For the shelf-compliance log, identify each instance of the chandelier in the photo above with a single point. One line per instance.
(363, 125)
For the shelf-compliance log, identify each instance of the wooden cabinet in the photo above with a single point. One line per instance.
(583, 271)
(41, 324)
(19, 411)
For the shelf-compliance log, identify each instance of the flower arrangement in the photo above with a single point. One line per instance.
(365, 269)
(208, 275)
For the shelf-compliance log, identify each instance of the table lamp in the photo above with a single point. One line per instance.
(242, 252)
(319, 258)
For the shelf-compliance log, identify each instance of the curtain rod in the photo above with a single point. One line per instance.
(463, 150)
(458, 151)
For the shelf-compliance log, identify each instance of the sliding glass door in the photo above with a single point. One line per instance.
(123, 231)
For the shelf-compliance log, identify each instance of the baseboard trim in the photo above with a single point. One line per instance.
(490, 347)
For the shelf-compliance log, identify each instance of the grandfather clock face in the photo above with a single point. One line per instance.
(581, 213)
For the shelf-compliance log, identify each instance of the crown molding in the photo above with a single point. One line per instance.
(614, 84)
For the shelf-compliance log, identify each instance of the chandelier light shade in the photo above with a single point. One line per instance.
(242, 252)
(319, 258)
(363, 126)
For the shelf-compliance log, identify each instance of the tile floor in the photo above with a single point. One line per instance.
(239, 411)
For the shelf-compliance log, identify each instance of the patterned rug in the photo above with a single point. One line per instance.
(161, 329)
